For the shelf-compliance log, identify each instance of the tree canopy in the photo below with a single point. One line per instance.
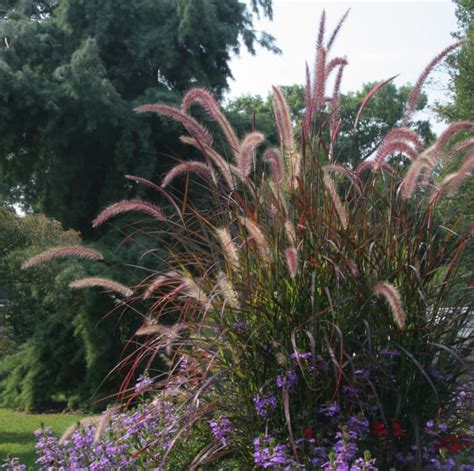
(461, 67)
(71, 72)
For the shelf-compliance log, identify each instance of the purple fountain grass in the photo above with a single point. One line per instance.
(291, 256)
(340, 62)
(452, 130)
(248, 149)
(283, 121)
(336, 201)
(260, 240)
(467, 144)
(322, 30)
(391, 294)
(63, 252)
(275, 159)
(186, 167)
(196, 130)
(228, 171)
(393, 147)
(207, 101)
(287, 260)
(126, 206)
(338, 27)
(416, 92)
(170, 277)
(373, 91)
(414, 171)
(227, 290)
(229, 248)
(441, 188)
(464, 171)
(319, 85)
(349, 174)
(404, 134)
(112, 285)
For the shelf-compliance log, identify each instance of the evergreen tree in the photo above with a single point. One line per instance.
(71, 72)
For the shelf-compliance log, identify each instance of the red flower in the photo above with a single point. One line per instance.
(308, 433)
(453, 444)
(397, 429)
(379, 429)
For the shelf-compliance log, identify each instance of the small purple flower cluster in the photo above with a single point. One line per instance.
(330, 410)
(221, 429)
(128, 432)
(265, 405)
(13, 464)
(143, 384)
(271, 455)
(288, 380)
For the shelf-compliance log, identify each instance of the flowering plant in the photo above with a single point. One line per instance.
(306, 308)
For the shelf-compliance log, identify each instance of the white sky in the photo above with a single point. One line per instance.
(380, 39)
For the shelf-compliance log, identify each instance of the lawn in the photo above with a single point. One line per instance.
(16, 432)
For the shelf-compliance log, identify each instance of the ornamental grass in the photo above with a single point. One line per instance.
(313, 315)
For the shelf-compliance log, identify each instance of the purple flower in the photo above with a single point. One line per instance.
(360, 427)
(301, 356)
(330, 410)
(268, 454)
(265, 405)
(221, 429)
(362, 464)
(287, 381)
(13, 464)
(143, 384)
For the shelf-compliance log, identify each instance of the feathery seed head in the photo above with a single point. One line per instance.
(230, 249)
(91, 282)
(63, 252)
(126, 206)
(393, 298)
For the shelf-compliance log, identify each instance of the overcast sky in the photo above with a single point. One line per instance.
(380, 39)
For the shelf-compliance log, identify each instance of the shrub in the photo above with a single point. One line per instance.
(305, 309)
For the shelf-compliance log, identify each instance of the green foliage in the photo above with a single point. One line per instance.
(57, 348)
(70, 74)
(461, 67)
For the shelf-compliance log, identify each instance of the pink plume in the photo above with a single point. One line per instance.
(400, 134)
(102, 283)
(193, 127)
(125, 206)
(283, 119)
(291, 256)
(415, 94)
(319, 80)
(449, 132)
(247, 152)
(274, 158)
(207, 101)
(192, 166)
(392, 296)
(63, 252)
(337, 29)
(392, 147)
(322, 29)
(374, 90)
(462, 146)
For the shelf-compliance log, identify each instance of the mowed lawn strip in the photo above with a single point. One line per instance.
(17, 432)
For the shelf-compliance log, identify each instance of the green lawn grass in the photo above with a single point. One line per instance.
(16, 432)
